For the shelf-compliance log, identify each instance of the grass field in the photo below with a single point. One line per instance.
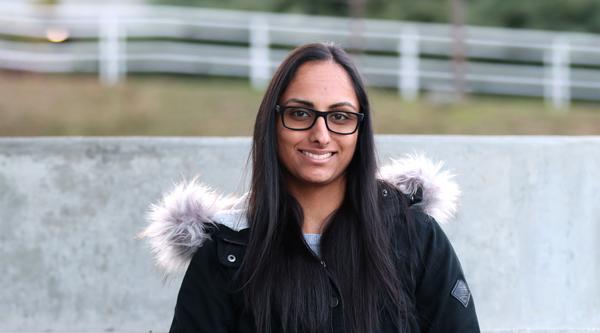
(33, 105)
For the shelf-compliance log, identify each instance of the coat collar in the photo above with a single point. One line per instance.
(177, 225)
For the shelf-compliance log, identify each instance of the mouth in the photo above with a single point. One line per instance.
(317, 156)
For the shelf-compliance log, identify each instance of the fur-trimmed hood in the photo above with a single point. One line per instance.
(177, 224)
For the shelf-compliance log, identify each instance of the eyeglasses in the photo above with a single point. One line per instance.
(300, 118)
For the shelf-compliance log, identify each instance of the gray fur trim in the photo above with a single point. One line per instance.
(440, 191)
(177, 224)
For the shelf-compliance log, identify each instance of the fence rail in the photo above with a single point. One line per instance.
(412, 57)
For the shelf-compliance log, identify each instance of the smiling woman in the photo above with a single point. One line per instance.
(314, 158)
(319, 244)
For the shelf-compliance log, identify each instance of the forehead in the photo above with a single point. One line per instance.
(323, 83)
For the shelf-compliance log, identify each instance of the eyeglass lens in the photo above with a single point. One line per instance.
(337, 121)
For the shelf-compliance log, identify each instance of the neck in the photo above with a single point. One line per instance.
(318, 202)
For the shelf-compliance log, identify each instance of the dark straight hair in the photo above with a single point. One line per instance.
(282, 281)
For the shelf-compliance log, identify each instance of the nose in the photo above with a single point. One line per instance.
(319, 132)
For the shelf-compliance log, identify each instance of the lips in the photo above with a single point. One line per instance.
(317, 155)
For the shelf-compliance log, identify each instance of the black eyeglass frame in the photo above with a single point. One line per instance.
(280, 109)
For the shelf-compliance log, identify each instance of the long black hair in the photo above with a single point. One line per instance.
(282, 281)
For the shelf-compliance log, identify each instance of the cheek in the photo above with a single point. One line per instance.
(350, 145)
(285, 145)
(352, 148)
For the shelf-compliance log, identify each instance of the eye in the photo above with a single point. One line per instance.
(340, 117)
(298, 113)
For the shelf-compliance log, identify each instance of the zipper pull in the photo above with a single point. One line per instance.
(323, 264)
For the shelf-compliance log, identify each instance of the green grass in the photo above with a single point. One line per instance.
(165, 105)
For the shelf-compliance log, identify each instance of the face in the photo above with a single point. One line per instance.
(317, 156)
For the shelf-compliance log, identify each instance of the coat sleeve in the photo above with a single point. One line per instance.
(204, 303)
(444, 301)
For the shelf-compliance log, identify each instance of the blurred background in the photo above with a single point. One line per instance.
(528, 229)
(199, 67)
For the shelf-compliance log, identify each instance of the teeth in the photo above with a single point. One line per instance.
(317, 156)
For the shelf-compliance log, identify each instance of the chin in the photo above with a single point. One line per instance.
(321, 182)
(318, 179)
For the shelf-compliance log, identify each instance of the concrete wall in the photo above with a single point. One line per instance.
(528, 232)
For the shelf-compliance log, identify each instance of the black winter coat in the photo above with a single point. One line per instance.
(440, 294)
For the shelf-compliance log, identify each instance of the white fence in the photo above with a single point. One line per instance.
(412, 57)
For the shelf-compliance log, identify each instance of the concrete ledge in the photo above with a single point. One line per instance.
(527, 233)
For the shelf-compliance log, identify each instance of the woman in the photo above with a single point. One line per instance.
(319, 244)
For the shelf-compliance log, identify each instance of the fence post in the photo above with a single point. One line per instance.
(259, 51)
(408, 73)
(110, 48)
(557, 90)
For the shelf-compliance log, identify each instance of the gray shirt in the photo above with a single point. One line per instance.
(314, 242)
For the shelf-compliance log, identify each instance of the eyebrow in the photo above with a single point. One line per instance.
(312, 105)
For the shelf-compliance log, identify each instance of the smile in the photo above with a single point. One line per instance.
(316, 156)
